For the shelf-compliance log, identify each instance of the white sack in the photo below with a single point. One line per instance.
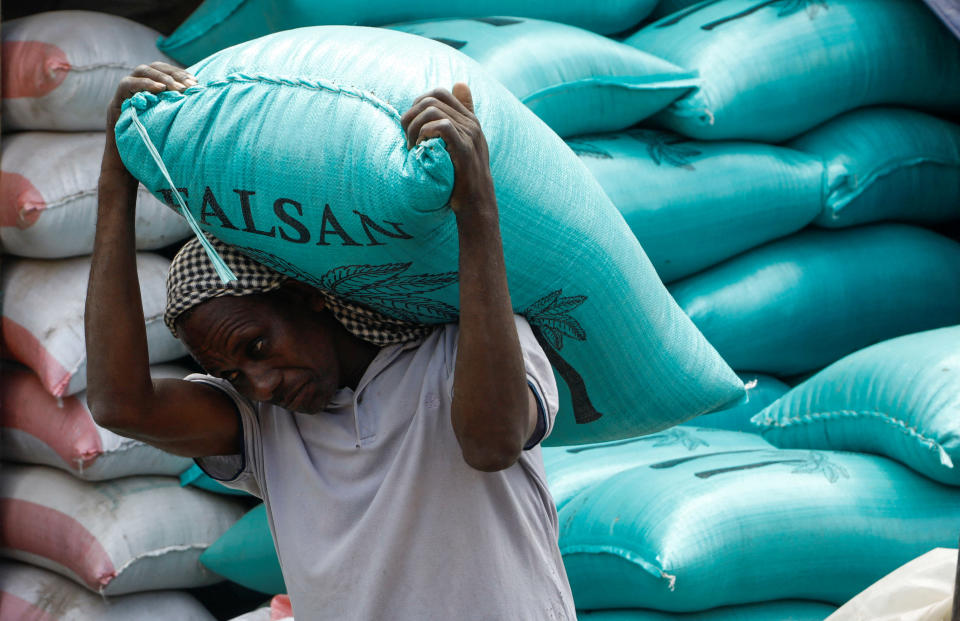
(43, 306)
(48, 198)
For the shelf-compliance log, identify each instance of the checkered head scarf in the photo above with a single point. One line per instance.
(192, 280)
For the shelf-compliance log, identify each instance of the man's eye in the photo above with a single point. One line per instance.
(232, 376)
(256, 347)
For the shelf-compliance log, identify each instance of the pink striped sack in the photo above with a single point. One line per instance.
(113, 537)
(42, 325)
(38, 428)
(28, 593)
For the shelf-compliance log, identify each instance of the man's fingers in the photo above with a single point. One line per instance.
(415, 128)
(178, 74)
(147, 71)
(462, 92)
(441, 128)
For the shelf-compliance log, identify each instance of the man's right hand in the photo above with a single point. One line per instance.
(154, 78)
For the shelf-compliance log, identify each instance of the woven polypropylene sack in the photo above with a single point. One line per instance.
(762, 390)
(48, 198)
(304, 166)
(768, 611)
(246, 555)
(28, 593)
(801, 303)
(887, 164)
(771, 70)
(113, 537)
(749, 525)
(898, 398)
(572, 469)
(576, 81)
(218, 24)
(38, 428)
(694, 204)
(61, 68)
(42, 324)
(195, 476)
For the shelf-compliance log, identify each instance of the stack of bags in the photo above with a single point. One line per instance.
(807, 116)
(92, 525)
(757, 151)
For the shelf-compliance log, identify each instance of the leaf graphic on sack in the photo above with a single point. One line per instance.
(279, 265)
(409, 308)
(347, 280)
(675, 436)
(664, 147)
(819, 462)
(585, 149)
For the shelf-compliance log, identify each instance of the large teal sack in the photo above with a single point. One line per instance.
(762, 390)
(800, 303)
(286, 152)
(694, 204)
(749, 525)
(899, 398)
(771, 70)
(245, 554)
(887, 164)
(218, 24)
(575, 80)
(572, 469)
(770, 611)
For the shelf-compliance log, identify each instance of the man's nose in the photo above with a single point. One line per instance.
(263, 382)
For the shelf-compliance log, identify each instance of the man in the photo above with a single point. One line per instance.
(401, 481)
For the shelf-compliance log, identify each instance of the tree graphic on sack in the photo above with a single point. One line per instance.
(550, 320)
(385, 288)
(814, 462)
(666, 147)
(784, 8)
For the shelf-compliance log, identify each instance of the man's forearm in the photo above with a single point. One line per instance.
(491, 397)
(118, 374)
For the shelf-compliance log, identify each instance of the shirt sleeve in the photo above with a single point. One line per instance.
(235, 471)
(541, 380)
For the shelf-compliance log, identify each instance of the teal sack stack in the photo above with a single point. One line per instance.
(770, 70)
(694, 204)
(762, 390)
(290, 149)
(899, 398)
(575, 80)
(572, 469)
(245, 554)
(749, 525)
(218, 24)
(887, 164)
(769, 611)
(801, 303)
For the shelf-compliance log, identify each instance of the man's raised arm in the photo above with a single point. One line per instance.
(494, 412)
(181, 417)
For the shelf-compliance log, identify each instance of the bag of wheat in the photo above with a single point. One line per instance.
(38, 428)
(48, 198)
(29, 593)
(61, 68)
(42, 325)
(114, 537)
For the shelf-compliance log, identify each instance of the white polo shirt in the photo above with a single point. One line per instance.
(374, 512)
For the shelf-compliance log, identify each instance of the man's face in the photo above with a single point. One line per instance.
(273, 347)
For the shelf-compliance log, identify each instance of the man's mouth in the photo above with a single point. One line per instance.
(294, 398)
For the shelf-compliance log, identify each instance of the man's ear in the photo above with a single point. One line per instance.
(306, 293)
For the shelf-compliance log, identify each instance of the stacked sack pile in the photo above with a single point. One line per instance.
(758, 151)
(92, 525)
(788, 201)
